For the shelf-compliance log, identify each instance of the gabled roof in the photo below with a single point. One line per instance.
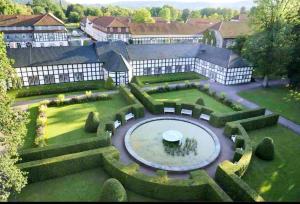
(116, 55)
(232, 29)
(173, 28)
(25, 57)
(114, 61)
(202, 21)
(29, 20)
(111, 21)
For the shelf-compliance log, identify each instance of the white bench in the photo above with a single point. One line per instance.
(169, 110)
(186, 111)
(204, 117)
(233, 137)
(129, 116)
(117, 124)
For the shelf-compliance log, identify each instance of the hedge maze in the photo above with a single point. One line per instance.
(58, 160)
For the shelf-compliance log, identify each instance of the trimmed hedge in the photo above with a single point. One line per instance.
(130, 98)
(199, 187)
(152, 105)
(142, 80)
(60, 149)
(113, 191)
(265, 149)
(220, 119)
(236, 188)
(92, 122)
(200, 101)
(252, 123)
(44, 169)
(79, 99)
(59, 88)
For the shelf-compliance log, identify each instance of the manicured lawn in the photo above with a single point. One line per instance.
(273, 99)
(67, 123)
(83, 186)
(277, 180)
(191, 96)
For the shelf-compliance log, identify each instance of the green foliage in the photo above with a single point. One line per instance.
(113, 191)
(41, 124)
(265, 150)
(198, 186)
(142, 80)
(46, 6)
(92, 122)
(55, 150)
(109, 83)
(59, 88)
(12, 130)
(44, 169)
(8, 7)
(273, 21)
(200, 101)
(165, 13)
(234, 186)
(209, 38)
(220, 119)
(142, 16)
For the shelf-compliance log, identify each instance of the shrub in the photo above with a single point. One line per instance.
(59, 88)
(237, 107)
(88, 94)
(60, 98)
(200, 101)
(113, 191)
(265, 149)
(109, 83)
(222, 96)
(92, 122)
(206, 88)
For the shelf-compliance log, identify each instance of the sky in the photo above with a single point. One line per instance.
(112, 1)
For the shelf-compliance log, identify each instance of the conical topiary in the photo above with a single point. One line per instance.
(92, 122)
(113, 191)
(200, 101)
(265, 150)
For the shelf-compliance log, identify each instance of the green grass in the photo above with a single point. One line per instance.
(273, 99)
(67, 123)
(191, 96)
(83, 186)
(277, 180)
(174, 77)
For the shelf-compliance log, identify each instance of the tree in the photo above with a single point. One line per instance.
(243, 9)
(239, 44)
(195, 14)
(185, 14)
(165, 13)
(269, 48)
(12, 130)
(142, 16)
(155, 11)
(74, 17)
(39, 10)
(174, 13)
(7, 7)
(113, 191)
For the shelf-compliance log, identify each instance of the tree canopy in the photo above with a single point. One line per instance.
(142, 16)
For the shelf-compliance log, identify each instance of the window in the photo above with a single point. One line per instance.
(111, 29)
(168, 69)
(49, 79)
(178, 68)
(119, 30)
(64, 78)
(157, 70)
(188, 68)
(33, 80)
(78, 76)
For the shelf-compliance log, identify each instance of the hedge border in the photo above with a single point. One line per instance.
(199, 186)
(228, 174)
(49, 168)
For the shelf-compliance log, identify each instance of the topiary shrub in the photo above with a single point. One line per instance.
(200, 101)
(113, 191)
(92, 122)
(265, 150)
(109, 83)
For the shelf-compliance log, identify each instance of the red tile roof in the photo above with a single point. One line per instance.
(29, 20)
(111, 21)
